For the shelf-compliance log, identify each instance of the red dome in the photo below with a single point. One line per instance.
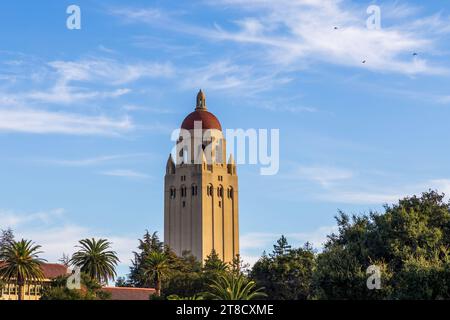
(209, 121)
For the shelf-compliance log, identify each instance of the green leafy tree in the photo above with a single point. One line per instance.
(424, 279)
(214, 264)
(122, 282)
(286, 273)
(238, 266)
(6, 237)
(340, 276)
(185, 277)
(409, 242)
(282, 247)
(213, 268)
(21, 264)
(90, 290)
(149, 243)
(182, 276)
(230, 286)
(187, 263)
(184, 284)
(95, 259)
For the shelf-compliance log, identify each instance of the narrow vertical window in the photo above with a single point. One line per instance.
(194, 190)
(209, 190)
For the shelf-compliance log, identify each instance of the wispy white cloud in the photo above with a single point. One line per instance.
(323, 175)
(338, 185)
(8, 100)
(290, 109)
(396, 10)
(383, 195)
(443, 99)
(94, 71)
(12, 219)
(110, 71)
(351, 196)
(378, 194)
(46, 122)
(94, 160)
(125, 173)
(435, 24)
(139, 14)
(295, 33)
(311, 36)
(133, 107)
(63, 94)
(442, 185)
(225, 75)
(70, 82)
(256, 240)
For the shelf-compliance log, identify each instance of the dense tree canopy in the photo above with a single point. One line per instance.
(181, 277)
(186, 278)
(410, 244)
(148, 244)
(90, 290)
(286, 273)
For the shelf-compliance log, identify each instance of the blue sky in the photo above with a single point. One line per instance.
(86, 115)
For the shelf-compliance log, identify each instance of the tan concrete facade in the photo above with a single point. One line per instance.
(201, 210)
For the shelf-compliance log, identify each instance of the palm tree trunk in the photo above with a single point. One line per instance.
(158, 288)
(20, 293)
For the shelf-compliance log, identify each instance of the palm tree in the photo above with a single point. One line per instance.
(156, 265)
(21, 264)
(96, 260)
(233, 287)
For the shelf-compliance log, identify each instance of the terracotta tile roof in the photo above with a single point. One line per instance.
(51, 270)
(54, 270)
(128, 293)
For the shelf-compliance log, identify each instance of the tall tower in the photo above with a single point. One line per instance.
(201, 190)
